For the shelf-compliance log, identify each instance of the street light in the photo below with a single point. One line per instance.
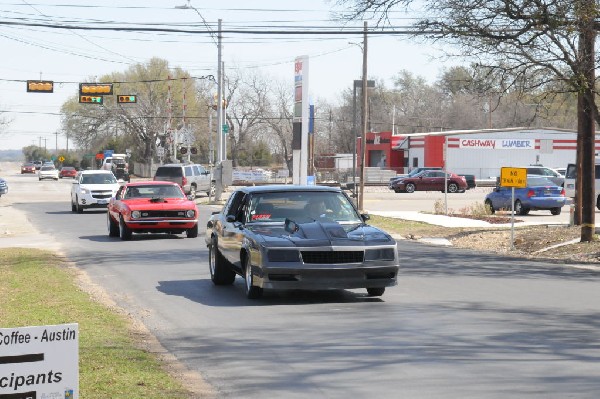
(221, 154)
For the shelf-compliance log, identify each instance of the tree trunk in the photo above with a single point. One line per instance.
(587, 118)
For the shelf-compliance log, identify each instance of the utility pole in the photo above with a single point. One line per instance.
(56, 142)
(585, 11)
(363, 142)
(219, 179)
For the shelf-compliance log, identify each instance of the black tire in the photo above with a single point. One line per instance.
(113, 227)
(452, 188)
(597, 202)
(489, 206)
(78, 208)
(555, 211)
(73, 207)
(520, 209)
(252, 291)
(397, 191)
(220, 270)
(193, 190)
(212, 189)
(124, 231)
(193, 232)
(410, 188)
(378, 291)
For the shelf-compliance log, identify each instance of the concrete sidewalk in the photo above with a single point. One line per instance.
(448, 221)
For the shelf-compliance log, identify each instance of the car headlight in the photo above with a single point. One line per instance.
(135, 214)
(380, 254)
(190, 213)
(85, 191)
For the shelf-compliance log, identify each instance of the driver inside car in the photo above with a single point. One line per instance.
(316, 208)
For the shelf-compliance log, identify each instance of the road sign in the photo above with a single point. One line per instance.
(225, 128)
(513, 177)
(40, 361)
(61, 159)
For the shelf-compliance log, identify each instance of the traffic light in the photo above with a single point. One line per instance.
(40, 86)
(183, 150)
(126, 99)
(95, 89)
(91, 99)
(194, 150)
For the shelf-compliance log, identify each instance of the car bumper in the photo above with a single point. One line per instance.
(160, 225)
(3, 191)
(87, 201)
(545, 203)
(43, 177)
(327, 277)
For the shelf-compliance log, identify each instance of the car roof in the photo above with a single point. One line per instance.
(151, 183)
(96, 171)
(270, 188)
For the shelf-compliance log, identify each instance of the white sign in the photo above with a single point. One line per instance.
(40, 362)
(160, 151)
(500, 144)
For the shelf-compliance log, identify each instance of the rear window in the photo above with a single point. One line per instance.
(168, 171)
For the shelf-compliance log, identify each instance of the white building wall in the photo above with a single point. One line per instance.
(553, 149)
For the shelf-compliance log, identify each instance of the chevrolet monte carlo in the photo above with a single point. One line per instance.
(151, 207)
(298, 237)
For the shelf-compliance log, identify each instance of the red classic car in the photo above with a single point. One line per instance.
(67, 171)
(151, 207)
(430, 180)
(28, 167)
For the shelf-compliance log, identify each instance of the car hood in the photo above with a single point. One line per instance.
(170, 203)
(97, 187)
(318, 233)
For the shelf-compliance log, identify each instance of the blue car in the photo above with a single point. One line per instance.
(540, 194)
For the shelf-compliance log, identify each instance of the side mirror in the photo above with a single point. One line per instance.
(191, 197)
(365, 217)
(230, 218)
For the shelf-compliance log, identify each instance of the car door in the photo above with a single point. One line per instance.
(202, 178)
(503, 198)
(231, 235)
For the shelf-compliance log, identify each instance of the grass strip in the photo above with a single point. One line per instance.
(37, 288)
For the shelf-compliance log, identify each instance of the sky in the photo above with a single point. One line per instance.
(71, 56)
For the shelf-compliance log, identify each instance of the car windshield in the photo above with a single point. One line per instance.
(303, 205)
(47, 168)
(68, 168)
(100, 178)
(169, 171)
(153, 191)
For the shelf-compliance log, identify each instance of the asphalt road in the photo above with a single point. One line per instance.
(458, 325)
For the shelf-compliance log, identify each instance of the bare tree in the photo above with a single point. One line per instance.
(246, 104)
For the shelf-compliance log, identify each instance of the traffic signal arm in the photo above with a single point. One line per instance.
(40, 86)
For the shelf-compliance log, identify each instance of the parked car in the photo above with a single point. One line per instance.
(3, 187)
(412, 173)
(151, 207)
(540, 194)
(93, 189)
(28, 167)
(192, 178)
(549, 173)
(48, 172)
(298, 237)
(67, 171)
(431, 180)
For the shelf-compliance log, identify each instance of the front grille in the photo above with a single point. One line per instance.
(163, 214)
(101, 194)
(331, 257)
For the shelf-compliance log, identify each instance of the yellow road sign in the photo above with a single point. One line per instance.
(513, 177)
(61, 159)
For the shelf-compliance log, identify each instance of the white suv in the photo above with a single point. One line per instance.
(192, 178)
(93, 189)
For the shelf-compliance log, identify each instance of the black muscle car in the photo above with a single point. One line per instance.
(298, 237)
